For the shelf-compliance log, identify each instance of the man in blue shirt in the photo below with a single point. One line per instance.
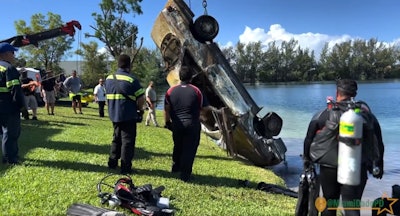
(125, 99)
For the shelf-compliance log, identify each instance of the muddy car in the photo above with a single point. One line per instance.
(244, 129)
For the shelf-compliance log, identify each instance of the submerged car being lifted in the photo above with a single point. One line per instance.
(245, 129)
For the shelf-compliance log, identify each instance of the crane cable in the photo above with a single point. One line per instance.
(78, 49)
(205, 7)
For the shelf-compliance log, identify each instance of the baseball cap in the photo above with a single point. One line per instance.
(6, 47)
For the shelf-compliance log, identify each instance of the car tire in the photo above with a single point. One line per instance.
(205, 28)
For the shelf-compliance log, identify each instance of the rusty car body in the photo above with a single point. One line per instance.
(245, 129)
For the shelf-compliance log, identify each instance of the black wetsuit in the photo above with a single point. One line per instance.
(328, 175)
(185, 103)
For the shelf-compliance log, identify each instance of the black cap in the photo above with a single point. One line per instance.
(347, 86)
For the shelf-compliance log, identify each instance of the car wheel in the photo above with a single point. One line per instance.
(205, 28)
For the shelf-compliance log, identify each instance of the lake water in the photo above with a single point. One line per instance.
(296, 104)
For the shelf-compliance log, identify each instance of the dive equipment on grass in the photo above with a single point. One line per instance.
(375, 168)
(349, 153)
(308, 191)
(80, 209)
(143, 200)
(276, 189)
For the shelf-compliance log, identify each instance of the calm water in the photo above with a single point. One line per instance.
(296, 104)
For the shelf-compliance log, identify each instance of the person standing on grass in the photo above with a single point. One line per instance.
(151, 100)
(100, 96)
(125, 99)
(182, 106)
(11, 102)
(29, 88)
(74, 85)
(47, 91)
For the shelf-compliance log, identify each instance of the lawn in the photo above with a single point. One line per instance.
(64, 157)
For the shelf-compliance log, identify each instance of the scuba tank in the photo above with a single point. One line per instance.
(349, 152)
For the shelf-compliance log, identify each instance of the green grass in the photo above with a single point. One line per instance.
(64, 157)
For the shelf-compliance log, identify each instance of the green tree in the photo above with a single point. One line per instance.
(112, 27)
(241, 65)
(339, 60)
(288, 52)
(271, 64)
(381, 57)
(304, 68)
(358, 59)
(230, 55)
(95, 64)
(49, 52)
(323, 62)
(148, 67)
(249, 61)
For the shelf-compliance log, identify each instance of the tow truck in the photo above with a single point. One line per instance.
(34, 39)
(243, 128)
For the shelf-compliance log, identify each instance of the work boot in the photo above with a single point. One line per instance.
(175, 167)
(112, 163)
(186, 177)
(126, 168)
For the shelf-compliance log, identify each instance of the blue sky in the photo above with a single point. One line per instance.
(311, 22)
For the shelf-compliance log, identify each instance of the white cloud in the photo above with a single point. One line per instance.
(312, 41)
(102, 50)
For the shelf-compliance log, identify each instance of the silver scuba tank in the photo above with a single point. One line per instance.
(349, 152)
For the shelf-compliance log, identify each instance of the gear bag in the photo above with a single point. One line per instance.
(144, 200)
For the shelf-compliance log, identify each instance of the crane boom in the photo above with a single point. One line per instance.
(35, 38)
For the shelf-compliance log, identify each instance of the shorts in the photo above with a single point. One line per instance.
(30, 101)
(76, 98)
(49, 96)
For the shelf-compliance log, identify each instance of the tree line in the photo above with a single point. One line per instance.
(287, 62)
(253, 62)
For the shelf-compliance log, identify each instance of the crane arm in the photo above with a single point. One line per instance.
(35, 38)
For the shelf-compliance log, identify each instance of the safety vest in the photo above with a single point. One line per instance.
(122, 91)
(11, 97)
(119, 96)
(5, 85)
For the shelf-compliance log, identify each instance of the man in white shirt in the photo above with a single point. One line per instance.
(100, 96)
(151, 100)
